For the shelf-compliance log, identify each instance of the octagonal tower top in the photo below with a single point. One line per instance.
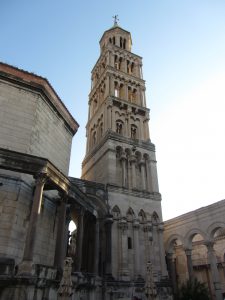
(116, 36)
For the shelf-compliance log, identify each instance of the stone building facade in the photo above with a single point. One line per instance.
(117, 250)
(195, 247)
(116, 206)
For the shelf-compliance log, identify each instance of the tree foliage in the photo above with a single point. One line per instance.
(193, 290)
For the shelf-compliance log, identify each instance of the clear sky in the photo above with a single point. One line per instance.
(183, 48)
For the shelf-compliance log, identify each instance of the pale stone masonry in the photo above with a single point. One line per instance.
(117, 249)
(121, 155)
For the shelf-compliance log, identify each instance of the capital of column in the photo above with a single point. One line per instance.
(188, 251)
(141, 162)
(160, 228)
(133, 159)
(136, 224)
(209, 245)
(123, 157)
(123, 226)
(147, 228)
(41, 178)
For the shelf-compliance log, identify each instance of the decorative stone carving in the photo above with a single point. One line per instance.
(65, 289)
(150, 287)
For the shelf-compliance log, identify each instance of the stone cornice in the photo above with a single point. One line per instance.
(134, 192)
(33, 165)
(41, 85)
(119, 138)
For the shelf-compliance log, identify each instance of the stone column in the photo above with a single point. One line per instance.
(161, 250)
(136, 226)
(108, 252)
(26, 267)
(189, 263)
(113, 119)
(125, 91)
(143, 176)
(35, 213)
(133, 170)
(149, 175)
(214, 271)
(109, 110)
(60, 238)
(147, 228)
(123, 269)
(96, 259)
(123, 162)
(79, 241)
(172, 271)
(111, 86)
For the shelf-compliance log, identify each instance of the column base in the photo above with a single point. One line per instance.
(26, 268)
(124, 275)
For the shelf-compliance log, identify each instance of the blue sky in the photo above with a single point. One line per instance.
(182, 44)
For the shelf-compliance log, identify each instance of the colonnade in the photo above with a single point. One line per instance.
(138, 170)
(132, 233)
(212, 261)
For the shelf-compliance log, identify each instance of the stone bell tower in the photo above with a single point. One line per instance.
(120, 154)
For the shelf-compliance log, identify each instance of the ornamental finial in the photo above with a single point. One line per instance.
(116, 19)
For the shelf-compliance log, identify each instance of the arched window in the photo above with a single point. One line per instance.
(129, 242)
(121, 42)
(124, 44)
(119, 127)
(116, 212)
(114, 40)
(133, 131)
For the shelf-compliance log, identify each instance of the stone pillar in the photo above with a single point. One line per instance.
(96, 259)
(133, 170)
(148, 241)
(143, 176)
(109, 118)
(149, 175)
(189, 263)
(79, 241)
(172, 271)
(136, 226)
(108, 252)
(35, 213)
(123, 270)
(123, 162)
(125, 91)
(214, 271)
(113, 119)
(61, 239)
(26, 267)
(162, 250)
(111, 86)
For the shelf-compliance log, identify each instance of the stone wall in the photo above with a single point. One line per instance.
(29, 124)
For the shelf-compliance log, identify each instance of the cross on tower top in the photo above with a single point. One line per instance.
(116, 19)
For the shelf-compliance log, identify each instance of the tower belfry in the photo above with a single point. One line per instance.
(121, 155)
(118, 117)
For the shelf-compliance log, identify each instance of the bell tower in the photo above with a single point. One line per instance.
(118, 118)
(121, 155)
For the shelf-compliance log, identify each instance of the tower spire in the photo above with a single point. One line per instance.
(116, 19)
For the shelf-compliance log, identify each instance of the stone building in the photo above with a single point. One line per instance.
(117, 250)
(116, 206)
(195, 247)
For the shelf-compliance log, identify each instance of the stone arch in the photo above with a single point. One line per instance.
(130, 214)
(116, 212)
(14, 294)
(211, 230)
(171, 240)
(155, 218)
(190, 235)
(142, 216)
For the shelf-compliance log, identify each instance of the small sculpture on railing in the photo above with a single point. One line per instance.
(65, 288)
